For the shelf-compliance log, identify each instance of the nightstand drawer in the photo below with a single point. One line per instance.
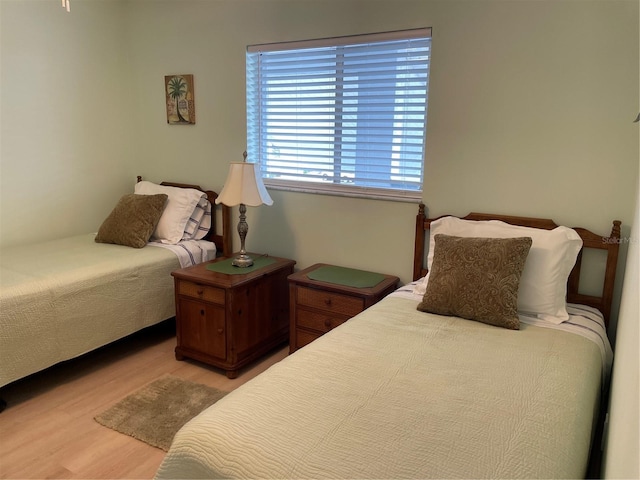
(304, 337)
(318, 306)
(201, 292)
(329, 301)
(319, 321)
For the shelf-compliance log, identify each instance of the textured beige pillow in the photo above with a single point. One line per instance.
(133, 220)
(477, 279)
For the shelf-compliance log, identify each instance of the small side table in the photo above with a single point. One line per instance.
(318, 306)
(228, 320)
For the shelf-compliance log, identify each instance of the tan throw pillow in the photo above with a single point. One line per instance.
(477, 279)
(133, 220)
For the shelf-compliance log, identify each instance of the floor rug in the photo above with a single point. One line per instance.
(156, 412)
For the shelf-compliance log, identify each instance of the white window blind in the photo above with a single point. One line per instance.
(342, 116)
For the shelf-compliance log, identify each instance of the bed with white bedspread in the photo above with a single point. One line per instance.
(397, 392)
(62, 298)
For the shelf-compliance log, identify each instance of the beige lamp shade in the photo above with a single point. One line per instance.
(244, 185)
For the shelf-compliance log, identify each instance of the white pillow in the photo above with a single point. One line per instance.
(543, 284)
(181, 203)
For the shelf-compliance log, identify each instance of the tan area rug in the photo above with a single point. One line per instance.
(156, 412)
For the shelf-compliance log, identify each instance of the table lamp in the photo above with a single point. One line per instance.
(243, 187)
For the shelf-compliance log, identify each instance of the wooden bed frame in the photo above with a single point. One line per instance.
(223, 241)
(610, 244)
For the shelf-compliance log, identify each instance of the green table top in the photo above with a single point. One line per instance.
(346, 276)
(225, 266)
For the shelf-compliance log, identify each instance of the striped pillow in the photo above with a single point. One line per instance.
(199, 222)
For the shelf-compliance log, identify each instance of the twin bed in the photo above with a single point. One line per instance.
(62, 298)
(401, 392)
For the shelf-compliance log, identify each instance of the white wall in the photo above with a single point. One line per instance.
(622, 452)
(66, 152)
(530, 112)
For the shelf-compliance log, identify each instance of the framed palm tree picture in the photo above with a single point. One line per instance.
(180, 99)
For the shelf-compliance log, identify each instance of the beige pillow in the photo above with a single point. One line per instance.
(133, 220)
(477, 279)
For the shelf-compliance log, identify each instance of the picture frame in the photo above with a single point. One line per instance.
(180, 99)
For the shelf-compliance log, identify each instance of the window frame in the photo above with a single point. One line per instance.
(254, 116)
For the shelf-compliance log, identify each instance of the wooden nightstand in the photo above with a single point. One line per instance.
(228, 320)
(318, 306)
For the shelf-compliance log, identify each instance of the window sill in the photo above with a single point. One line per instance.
(342, 191)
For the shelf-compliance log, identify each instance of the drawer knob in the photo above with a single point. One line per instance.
(202, 312)
(220, 331)
(327, 302)
(200, 291)
(327, 323)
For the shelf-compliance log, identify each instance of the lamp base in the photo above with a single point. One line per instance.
(242, 260)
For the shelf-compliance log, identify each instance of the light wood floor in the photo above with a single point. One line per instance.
(48, 431)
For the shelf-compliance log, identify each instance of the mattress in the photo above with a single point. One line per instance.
(62, 298)
(397, 393)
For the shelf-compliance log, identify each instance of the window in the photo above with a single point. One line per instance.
(343, 116)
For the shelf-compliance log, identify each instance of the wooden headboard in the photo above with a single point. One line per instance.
(223, 240)
(610, 244)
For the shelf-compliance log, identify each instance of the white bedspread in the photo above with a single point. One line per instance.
(62, 298)
(397, 393)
